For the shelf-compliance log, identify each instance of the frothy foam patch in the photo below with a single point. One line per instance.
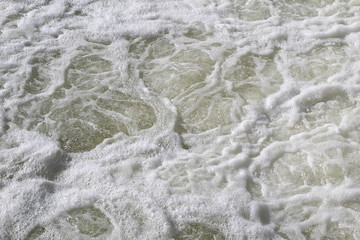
(179, 119)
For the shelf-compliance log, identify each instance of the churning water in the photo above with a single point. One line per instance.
(179, 119)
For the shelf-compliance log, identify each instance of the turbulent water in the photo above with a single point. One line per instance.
(179, 119)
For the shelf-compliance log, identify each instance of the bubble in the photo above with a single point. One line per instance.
(22, 159)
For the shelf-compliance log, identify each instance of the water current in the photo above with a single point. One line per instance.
(179, 119)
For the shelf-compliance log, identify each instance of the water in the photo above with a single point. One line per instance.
(201, 119)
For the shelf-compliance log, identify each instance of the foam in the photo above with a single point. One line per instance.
(179, 119)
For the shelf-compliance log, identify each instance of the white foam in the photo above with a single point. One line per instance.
(179, 119)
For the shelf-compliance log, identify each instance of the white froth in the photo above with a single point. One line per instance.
(179, 119)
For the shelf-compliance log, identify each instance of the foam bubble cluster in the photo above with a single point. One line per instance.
(179, 120)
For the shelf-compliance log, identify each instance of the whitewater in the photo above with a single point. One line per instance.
(179, 119)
